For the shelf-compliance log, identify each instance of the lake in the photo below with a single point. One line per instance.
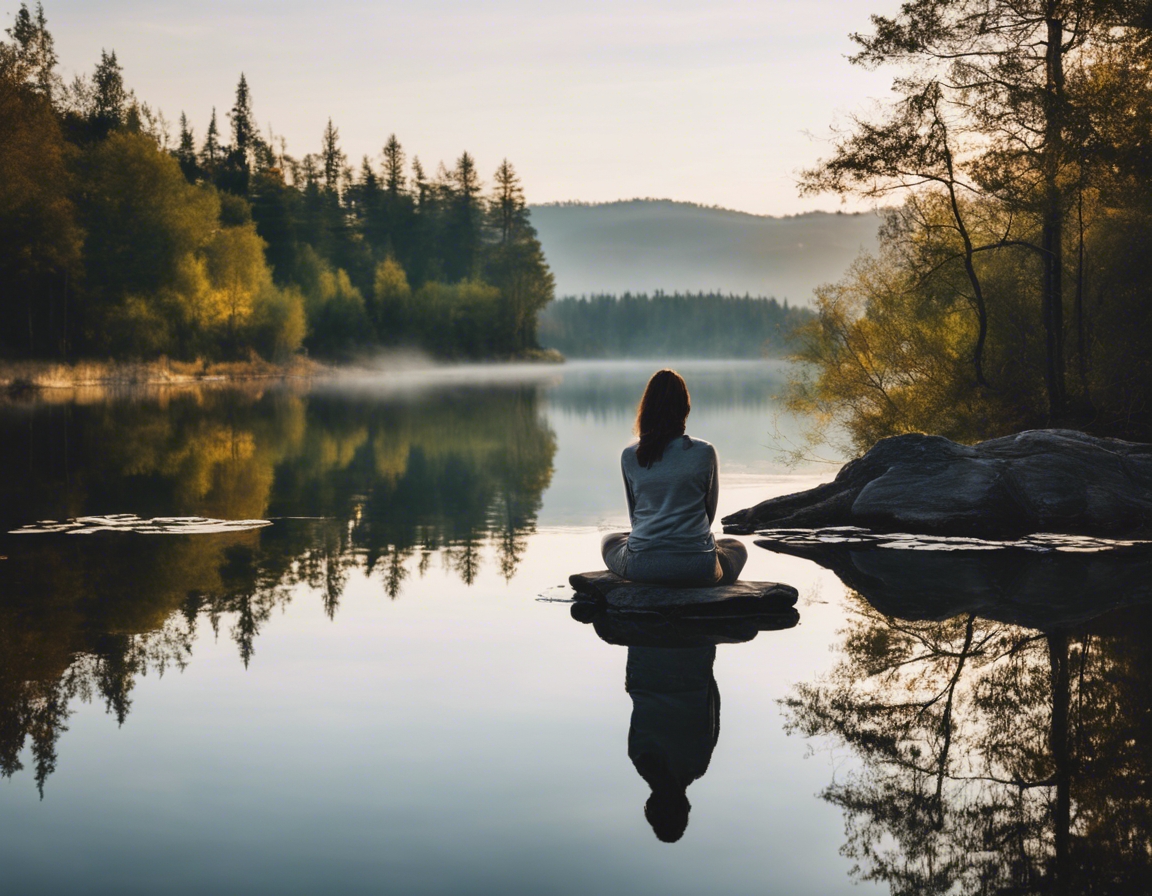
(384, 689)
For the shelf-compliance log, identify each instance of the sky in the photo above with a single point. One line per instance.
(720, 102)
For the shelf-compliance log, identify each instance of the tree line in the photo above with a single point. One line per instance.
(117, 238)
(686, 325)
(1011, 286)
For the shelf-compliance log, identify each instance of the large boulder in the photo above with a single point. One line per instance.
(1047, 480)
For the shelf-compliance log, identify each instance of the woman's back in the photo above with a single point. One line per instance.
(672, 486)
(672, 503)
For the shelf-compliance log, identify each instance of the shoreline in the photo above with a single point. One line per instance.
(38, 376)
(18, 377)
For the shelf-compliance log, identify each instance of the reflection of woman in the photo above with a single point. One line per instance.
(672, 487)
(675, 724)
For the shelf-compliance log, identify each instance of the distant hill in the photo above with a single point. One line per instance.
(645, 245)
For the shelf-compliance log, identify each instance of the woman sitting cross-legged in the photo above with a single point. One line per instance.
(672, 486)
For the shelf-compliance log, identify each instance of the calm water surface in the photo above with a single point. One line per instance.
(383, 692)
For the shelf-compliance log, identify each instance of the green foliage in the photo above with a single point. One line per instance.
(1018, 141)
(869, 372)
(235, 262)
(277, 326)
(115, 241)
(35, 48)
(143, 220)
(679, 325)
(337, 317)
(110, 100)
(40, 238)
(458, 319)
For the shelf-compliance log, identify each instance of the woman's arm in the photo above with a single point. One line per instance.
(631, 498)
(713, 496)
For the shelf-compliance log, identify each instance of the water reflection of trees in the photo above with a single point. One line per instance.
(616, 390)
(993, 758)
(383, 487)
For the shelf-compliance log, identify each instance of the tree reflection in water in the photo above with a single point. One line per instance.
(1005, 751)
(352, 482)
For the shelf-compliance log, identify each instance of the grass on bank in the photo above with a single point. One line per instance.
(17, 376)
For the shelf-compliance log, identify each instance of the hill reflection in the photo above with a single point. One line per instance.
(998, 703)
(378, 484)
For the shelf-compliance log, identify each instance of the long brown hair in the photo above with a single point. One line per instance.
(661, 415)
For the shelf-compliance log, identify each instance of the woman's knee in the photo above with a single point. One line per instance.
(614, 551)
(732, 546)
(732, 556)
(613, 540)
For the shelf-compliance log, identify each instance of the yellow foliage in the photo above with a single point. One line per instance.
(879, 361)
(238, 273)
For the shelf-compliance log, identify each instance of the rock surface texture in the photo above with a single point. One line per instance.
(621, 594)
(1047, 480)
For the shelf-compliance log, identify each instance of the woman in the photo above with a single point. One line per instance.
(672, 485)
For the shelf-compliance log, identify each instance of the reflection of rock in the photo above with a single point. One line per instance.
(1038, 481)
(652, 629)
(1041, 590)
(750, 597)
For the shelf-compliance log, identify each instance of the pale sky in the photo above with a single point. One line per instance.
(718, 102)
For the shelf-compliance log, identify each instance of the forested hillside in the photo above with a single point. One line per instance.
(121, 238)
(645, 245)
(670, 326)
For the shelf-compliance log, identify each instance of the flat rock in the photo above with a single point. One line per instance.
(1048, 480)
(622, 594)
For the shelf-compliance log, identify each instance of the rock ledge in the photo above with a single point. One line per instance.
(1046, 480)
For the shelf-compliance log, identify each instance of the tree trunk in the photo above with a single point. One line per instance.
(1081, 324)
(1052, 301)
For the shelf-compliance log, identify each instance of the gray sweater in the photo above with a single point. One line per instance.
(672, 503)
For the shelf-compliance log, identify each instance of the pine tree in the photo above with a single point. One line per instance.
(420, 183)
(186, 151)
(211, 153)
(363, 199)
(508, 210)
(516, 264)
(244, 134)
(394, 182)
(464, 218)
(423, 236)
(334, 159)
(110, 101)
(368, 178)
